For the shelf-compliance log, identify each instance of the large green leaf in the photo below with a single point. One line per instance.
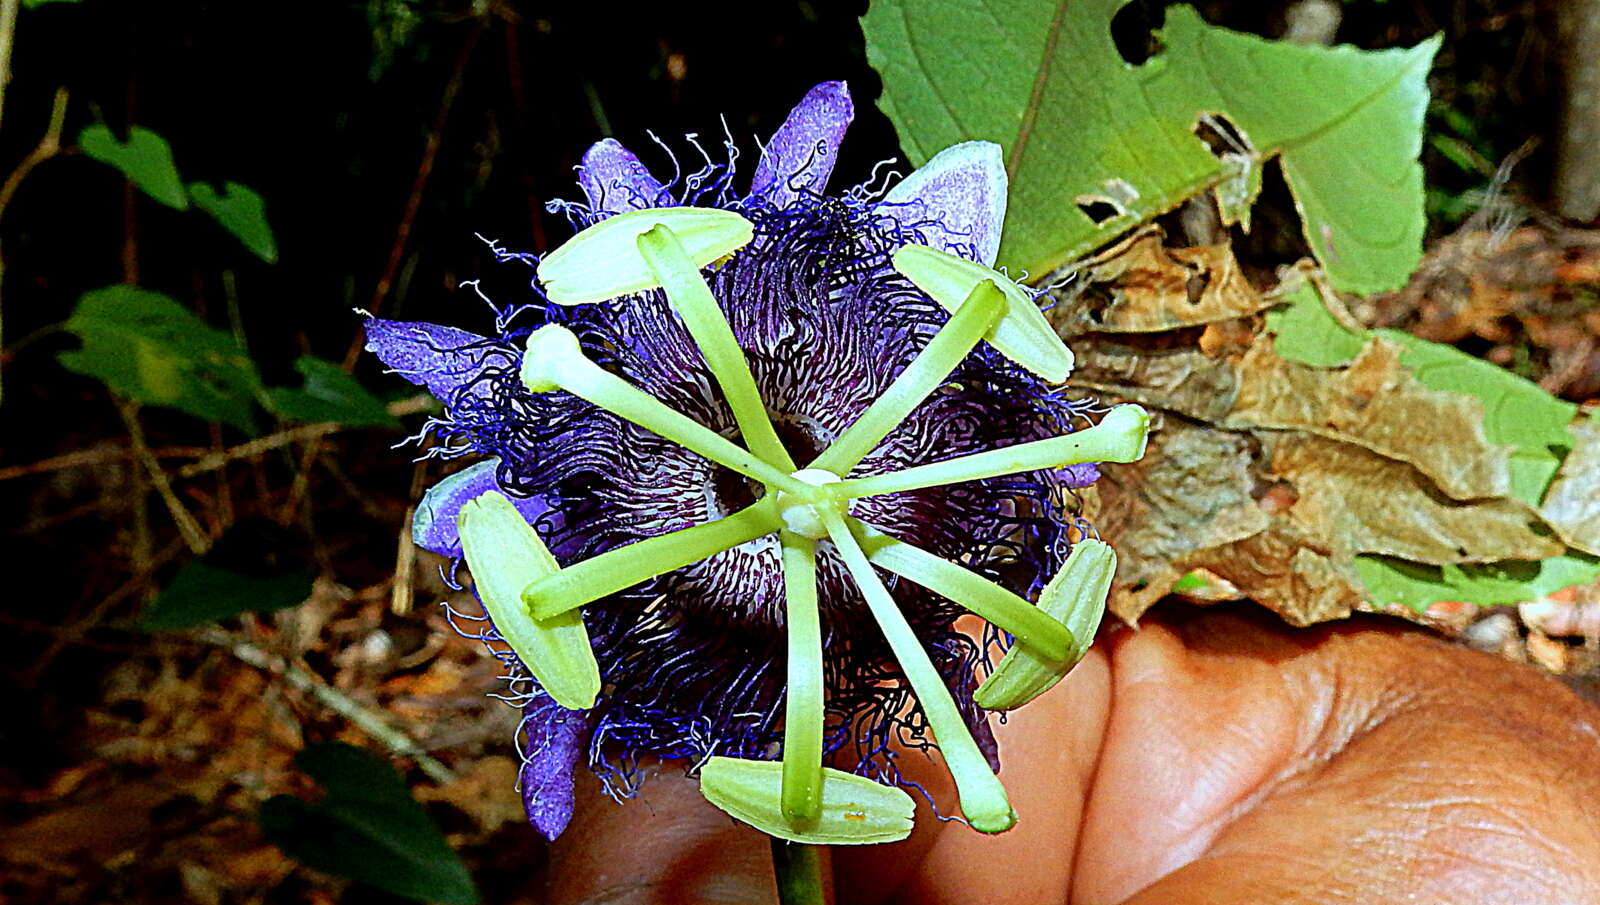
(1079, 125)
(148, 347)
(367, 827)
(329, 394)
(145, 158)
(241, 211)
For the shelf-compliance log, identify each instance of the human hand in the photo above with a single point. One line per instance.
(1219, 758)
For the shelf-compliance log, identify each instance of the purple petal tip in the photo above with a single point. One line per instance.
(957, 200)
(556, 737)
(442, 359)
(615, 181)
(801, 154)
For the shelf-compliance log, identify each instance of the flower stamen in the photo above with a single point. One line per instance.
(1031, 626)
(1077, 597)
(983, 798)
(505, 554)
(803, 716)
(615, 570)
(944, 353)
(1119, 437)
(555, 360)
(688, 294)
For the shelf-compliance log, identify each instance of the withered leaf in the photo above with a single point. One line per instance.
(1191, 492)
(1376, 404)
(1140, 286)
(1572, 506)
(1358, 502)
(1279, 569)
(1162, 371)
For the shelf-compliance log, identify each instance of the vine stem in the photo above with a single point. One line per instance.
(799, 870)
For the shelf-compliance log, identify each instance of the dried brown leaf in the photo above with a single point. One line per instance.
(1375, 403)
(1140, 286)
(1355, 502)
(1191, 492)
(1572, 506)
(1280, 569)
(1165, 371)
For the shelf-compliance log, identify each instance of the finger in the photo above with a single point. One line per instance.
(1047, 752)
(668, 846)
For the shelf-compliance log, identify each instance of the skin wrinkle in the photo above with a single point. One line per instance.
(1444, 850)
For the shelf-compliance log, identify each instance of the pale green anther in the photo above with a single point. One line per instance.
(801, 799)
(1076, 596)
(854, 810)
(1030, 625)
(559, 591)
(555, 360)
(976, 315)
(983, 798)
(551, 351)
(1119, 437)
(687, 292)
(505, 555)
(1023, 335)
(603, 261)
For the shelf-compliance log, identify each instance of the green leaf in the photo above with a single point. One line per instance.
(1044, 79)
(1306, 332)
(1491, 584)
(329, 394)
(148, 347)
(145, 158)
(367, 827)
(1517, 411)
(241, 211)
(34, 4)
(202, 593)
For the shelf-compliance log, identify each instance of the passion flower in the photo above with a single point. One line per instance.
(745, 459)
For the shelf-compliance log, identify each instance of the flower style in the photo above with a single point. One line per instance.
(727, 413)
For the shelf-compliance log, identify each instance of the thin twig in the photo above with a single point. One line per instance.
(48, 147)
(249, 450)
(430, 153)
(403, 593)
(8, 37)
(367, 719)
(146, 566)
(84, 458)
(187, 527)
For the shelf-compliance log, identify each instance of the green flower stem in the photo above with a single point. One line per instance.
(803, 714)
(799, 870)
(976, 316)
(1031, 626)
(624, 567)
(1119, 437)
(689, 295)
(553, 360)
(983, 798)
